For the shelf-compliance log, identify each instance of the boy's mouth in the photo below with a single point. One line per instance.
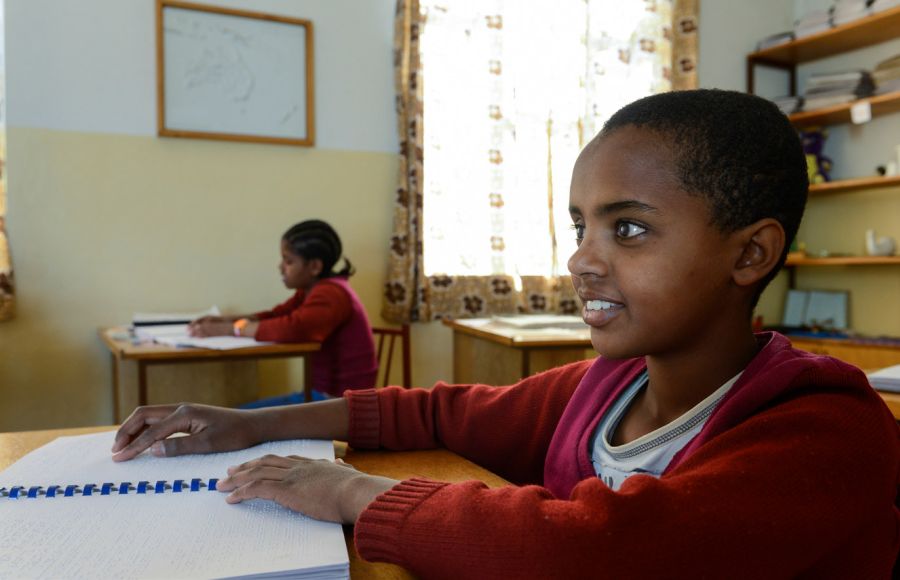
(599, 312)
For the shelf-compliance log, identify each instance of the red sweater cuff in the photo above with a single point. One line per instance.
(365, 419)
(377, 531)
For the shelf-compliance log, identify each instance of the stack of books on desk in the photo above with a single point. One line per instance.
(845, 11)
(887, 75)
(830, 89)
(886, 379)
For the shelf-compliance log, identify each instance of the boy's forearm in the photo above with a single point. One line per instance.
(322, 420)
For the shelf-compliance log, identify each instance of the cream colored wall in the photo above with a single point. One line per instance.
(105, 225)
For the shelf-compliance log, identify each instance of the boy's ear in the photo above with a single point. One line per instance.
(761, 245)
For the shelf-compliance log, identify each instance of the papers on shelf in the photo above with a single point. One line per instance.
(886, 379)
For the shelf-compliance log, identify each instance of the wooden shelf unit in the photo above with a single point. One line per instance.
(845, 261)
(881, 105)
(866, 31)
(856, 184)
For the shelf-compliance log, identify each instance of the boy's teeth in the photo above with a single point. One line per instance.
(598, 305)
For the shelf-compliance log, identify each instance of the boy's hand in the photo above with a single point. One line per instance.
(321, 489)
(210, 429)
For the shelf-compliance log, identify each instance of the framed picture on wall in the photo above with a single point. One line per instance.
(233, 75)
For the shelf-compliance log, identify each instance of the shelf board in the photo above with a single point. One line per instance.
(846, 261)
(860, 33)
(857, 184)
(881, 105)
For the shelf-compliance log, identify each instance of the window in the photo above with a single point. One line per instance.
(512, 91)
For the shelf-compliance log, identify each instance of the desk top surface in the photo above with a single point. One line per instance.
(116, 340)
(518, 337)
(438, 464)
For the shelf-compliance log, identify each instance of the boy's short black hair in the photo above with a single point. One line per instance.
(738, 151)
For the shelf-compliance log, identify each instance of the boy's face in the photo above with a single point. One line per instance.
(651, 270)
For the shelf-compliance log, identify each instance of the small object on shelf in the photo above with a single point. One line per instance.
(879, 245)
(890, 169)
(812, 22)
(775, 40)
(818, 165)
(880, 5)
(845, 11)
(886, 75)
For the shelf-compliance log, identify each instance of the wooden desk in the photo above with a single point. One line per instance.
(495, 354)
(437, 464)
(149, 353)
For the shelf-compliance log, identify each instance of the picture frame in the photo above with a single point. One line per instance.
(234, 75)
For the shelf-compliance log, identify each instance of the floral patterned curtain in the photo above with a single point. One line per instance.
(510, 91)
(7, 290)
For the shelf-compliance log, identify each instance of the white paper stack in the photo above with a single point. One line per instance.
(881, 5)
(886, 379)
(845, 11)
(775, 40)
(812, 22)
(830, 89)
(887, 75)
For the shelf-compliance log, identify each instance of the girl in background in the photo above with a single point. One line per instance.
(323, 309)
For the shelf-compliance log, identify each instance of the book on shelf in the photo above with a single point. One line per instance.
(789, 104)
(836, 88)
(775, 40)
(881, 5)
(845, 11)
(68, 511)
(886, 75)
(812, 22)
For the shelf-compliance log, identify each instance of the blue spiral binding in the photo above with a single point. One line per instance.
(121, 488)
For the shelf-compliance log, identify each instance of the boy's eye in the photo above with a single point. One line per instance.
(579, 231)
(626, 230)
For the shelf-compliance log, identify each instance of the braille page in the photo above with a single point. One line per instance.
(187, 534)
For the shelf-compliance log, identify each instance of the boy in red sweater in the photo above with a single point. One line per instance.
(690, 447)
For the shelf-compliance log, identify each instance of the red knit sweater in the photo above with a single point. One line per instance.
(795, 474)
(332, 314)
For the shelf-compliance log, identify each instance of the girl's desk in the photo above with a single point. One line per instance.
(124, 351)
(438, 464)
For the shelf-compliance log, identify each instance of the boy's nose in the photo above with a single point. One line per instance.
(588, 259)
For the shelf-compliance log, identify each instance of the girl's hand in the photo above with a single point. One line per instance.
(202, 327)
(321, 489)
(210, 429)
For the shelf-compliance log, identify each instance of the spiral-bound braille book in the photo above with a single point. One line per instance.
(68, 511)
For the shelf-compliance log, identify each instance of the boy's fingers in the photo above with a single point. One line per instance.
(254, 490)
(174, 423)
(249, 476)
(140, 419)
(267, 460)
